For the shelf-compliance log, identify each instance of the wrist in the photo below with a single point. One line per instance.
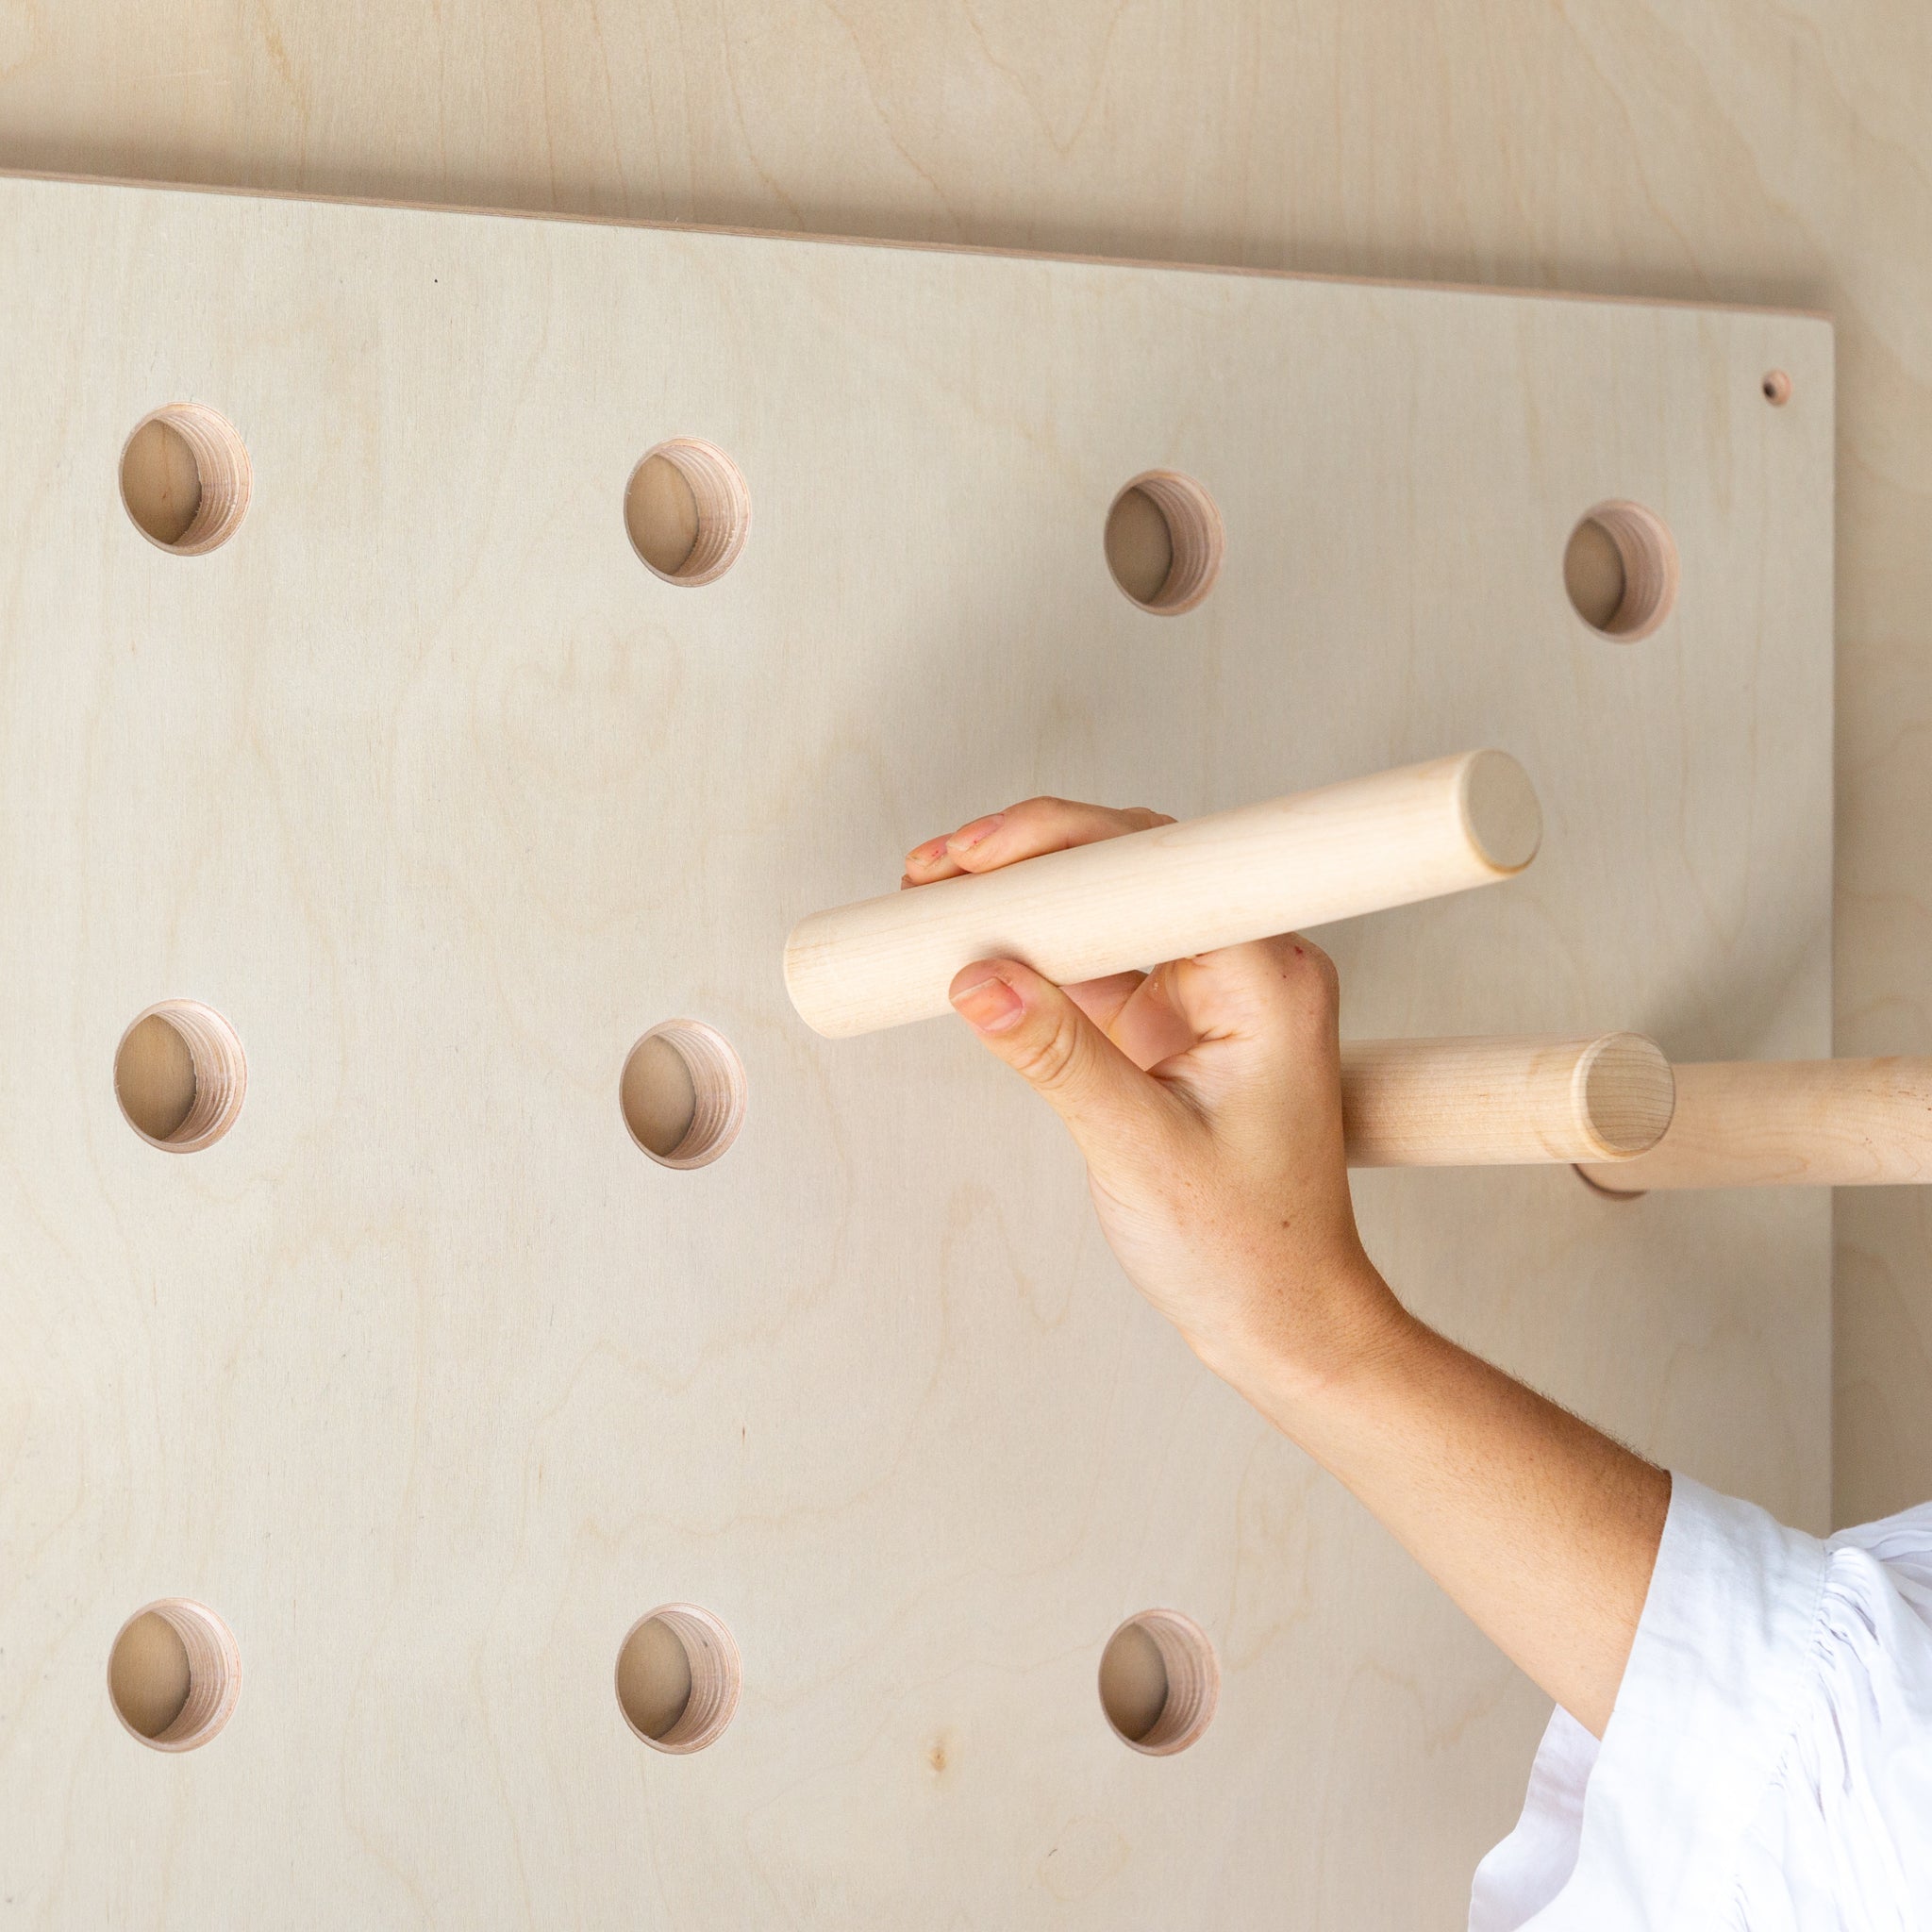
(1305, 1341)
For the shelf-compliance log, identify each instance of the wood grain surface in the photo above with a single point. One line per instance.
(1463, 1102)
(1768, 1123)
(1699, 149)
(429, 1382)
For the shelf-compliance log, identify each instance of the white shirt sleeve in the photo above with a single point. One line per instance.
(1768, 1767)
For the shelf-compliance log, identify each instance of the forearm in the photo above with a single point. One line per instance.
(1541, 1529)
(1211, 1120)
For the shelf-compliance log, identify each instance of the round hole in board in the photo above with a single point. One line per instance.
(1619, 568)
(1598, 1188)
(173, 1675)
(688, 511)
(1164, 541)
(185, 478)
(678, 1677)
(1159, 1682)
(1776, 387)
(683, 1093)
(180, 1075)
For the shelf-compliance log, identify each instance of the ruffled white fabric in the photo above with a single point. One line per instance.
(1768, 1767)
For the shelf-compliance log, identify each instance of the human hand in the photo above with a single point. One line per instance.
(1206, 1097)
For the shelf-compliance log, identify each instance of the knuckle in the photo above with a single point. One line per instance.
(1314, 952)
(1327, 979)
(1264, 967)
(1052, 1059)
(1302, 959)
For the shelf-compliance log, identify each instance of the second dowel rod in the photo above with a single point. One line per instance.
(1504, 1102)
(1767, 1124)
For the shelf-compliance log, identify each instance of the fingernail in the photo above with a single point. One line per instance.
(967, 837)
(991, 1005)
(929, 854)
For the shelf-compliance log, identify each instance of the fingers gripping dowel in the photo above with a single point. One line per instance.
(1360, 846)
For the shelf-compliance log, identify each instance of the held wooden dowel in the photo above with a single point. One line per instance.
(1498, 1103)
(1359, 846)
(1767, 1124)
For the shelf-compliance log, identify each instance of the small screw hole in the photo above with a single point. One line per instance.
(679, 1677)
(1159, 1682)
(1777, 388)
(1619, 568)
(174, 1674)
(185, 478)
(688, 511)
(1164, 541)
(683, 1093)
(180, 1075)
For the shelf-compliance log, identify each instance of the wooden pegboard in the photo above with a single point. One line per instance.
(429, 1383)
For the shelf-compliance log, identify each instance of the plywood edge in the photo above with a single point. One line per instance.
(1140, 264)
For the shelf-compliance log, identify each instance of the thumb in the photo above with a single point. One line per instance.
(1031, 1023)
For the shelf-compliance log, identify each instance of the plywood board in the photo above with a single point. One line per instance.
(430, 1383)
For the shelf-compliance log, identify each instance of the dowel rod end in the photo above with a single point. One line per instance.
(1626, 1095)
(1500, 812)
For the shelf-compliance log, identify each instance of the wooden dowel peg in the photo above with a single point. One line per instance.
(1360, 846)
(1497, 1103)
(1767, 1124)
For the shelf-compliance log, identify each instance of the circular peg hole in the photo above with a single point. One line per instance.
(1620, 568)
(185, 478)
(679, 1678)
(1159, 1682)
(174, 1674)
(180, 1077)
(1776, 387)
(688, 511)
(1164, 541)
(683, 1093)
(1606, 1193)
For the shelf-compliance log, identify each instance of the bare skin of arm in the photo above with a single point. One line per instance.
(1206, 1097)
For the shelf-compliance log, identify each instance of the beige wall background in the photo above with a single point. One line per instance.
(1710, 149)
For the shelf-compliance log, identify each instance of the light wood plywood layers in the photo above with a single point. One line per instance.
(431, 1384)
